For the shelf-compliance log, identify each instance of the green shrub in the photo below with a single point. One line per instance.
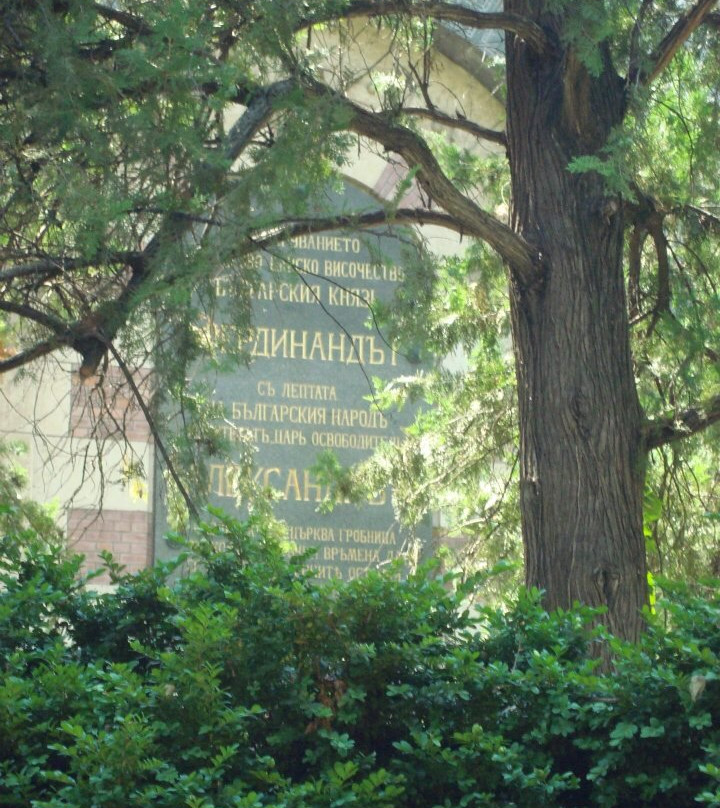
(244, 683)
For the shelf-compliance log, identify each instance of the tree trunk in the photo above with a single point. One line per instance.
(582, 453)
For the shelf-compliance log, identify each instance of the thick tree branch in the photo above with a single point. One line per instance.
(522, 27)
(705, 218)
(287, 231)
(637, 239)
(675, 38)
(49, 321)
(470, 217)
(364, 221)
(91, 335)
(104, 49)
(463, 215)
(662, 301)
(18, 360)
(88, 335)
(259, 109)
(689, 422)
(52, 266)
(131, 22)
(457, 122)
(93, 344)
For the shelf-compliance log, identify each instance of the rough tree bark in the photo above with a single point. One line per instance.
(582, 448)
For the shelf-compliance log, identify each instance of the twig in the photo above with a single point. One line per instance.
(192, 508)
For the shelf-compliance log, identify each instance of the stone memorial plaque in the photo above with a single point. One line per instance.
(308, 389)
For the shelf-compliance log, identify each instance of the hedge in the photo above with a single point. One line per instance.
(244, 683)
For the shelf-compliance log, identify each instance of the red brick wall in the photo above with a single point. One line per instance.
(126, 534)
(105, 405)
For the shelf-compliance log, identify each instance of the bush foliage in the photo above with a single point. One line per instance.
(243, 683)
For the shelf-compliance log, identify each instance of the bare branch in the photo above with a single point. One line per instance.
(29, 355)
(160, 445)
(522, 27)
(689, 422)
(516, 24)
(457, 122)
(341, 326)
(675, 38)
